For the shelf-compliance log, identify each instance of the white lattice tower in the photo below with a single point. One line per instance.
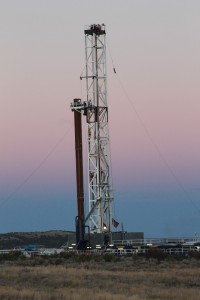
(98, 148)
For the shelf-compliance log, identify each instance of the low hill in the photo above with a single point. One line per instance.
(47, 239)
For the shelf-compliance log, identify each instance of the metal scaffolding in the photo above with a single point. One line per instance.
(98, 148)
(95, 108)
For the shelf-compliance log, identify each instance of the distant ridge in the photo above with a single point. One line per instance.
(46, 239)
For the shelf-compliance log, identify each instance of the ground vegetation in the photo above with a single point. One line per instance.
(105, 277)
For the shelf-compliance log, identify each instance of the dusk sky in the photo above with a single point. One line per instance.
(154, 109)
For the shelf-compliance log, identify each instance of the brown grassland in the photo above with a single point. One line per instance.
(100, 278)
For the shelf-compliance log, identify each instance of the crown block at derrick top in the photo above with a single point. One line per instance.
(95, 29)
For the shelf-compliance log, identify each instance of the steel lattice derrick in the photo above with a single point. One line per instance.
(98, 148)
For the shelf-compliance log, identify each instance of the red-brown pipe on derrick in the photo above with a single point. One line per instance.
(79, 169)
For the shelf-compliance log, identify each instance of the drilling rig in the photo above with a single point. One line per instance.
(95, 109)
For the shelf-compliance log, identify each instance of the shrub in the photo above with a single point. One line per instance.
(108, 257)
(155, 253)
(84, 257)
(67, 255)
(194, 254)
(13, 255)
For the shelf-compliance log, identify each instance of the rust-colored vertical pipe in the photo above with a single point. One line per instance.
(79, 168)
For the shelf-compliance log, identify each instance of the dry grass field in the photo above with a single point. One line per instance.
(124, 278)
